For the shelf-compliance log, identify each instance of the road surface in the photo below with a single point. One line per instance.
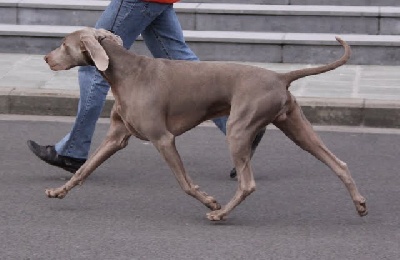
(131, 207)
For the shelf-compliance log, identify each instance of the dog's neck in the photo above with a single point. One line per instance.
(119, 58)
(116, 73)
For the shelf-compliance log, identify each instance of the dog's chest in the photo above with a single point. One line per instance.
(129, 122)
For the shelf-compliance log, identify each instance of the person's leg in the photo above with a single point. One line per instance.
(126, 18)
(164, 38)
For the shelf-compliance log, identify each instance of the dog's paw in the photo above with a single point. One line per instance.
(216, 215)
(56, 193)
(212, 203)
(207, 200)
(361, 207)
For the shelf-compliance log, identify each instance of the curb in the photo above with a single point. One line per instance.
(351, 112)
(319, 111)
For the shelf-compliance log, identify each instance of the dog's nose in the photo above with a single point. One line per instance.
(46, 58)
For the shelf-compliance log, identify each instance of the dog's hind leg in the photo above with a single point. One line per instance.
(165, 144)
(116, 139)
(300, 131)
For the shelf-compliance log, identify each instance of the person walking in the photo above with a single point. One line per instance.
(159, 26)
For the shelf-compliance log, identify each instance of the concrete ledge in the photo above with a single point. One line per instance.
(229, 46)
(353, 39)
(5, 100)
(328, 111)
(325, 111)
(265, 2)
(37, 30)
(341, 2)
(70, 4)
(390, 11)
(9, 3)
(303, 2)
(223, 36)
(43, 102)
(220, 7)
(289, 10)
(379, 113)
(219, 16)
(306, 2)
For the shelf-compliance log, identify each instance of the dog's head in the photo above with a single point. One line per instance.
(81, 48)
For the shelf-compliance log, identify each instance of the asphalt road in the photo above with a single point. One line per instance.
(132, 207)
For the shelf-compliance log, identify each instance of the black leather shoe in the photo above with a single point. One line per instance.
(233, 173)
(49, 155)
(254, 145)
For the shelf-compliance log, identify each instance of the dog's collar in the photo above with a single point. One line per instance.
(87, 57)
(101, 39)
(86, 54)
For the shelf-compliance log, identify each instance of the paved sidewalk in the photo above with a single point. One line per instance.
(350, 95)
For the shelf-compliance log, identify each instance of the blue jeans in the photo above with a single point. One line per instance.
(162, 33)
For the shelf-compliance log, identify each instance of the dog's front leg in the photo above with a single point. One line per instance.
(166, 146)
(117, 138)
(240, 147)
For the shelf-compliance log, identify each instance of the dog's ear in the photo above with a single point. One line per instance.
(96, 52)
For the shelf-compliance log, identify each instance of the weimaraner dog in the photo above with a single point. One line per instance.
(159, 99)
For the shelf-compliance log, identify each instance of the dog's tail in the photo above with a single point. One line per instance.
(297, 74)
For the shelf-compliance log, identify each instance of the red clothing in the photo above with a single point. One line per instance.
(162, 1)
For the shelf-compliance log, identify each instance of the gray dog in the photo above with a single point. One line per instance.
(159, 99)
